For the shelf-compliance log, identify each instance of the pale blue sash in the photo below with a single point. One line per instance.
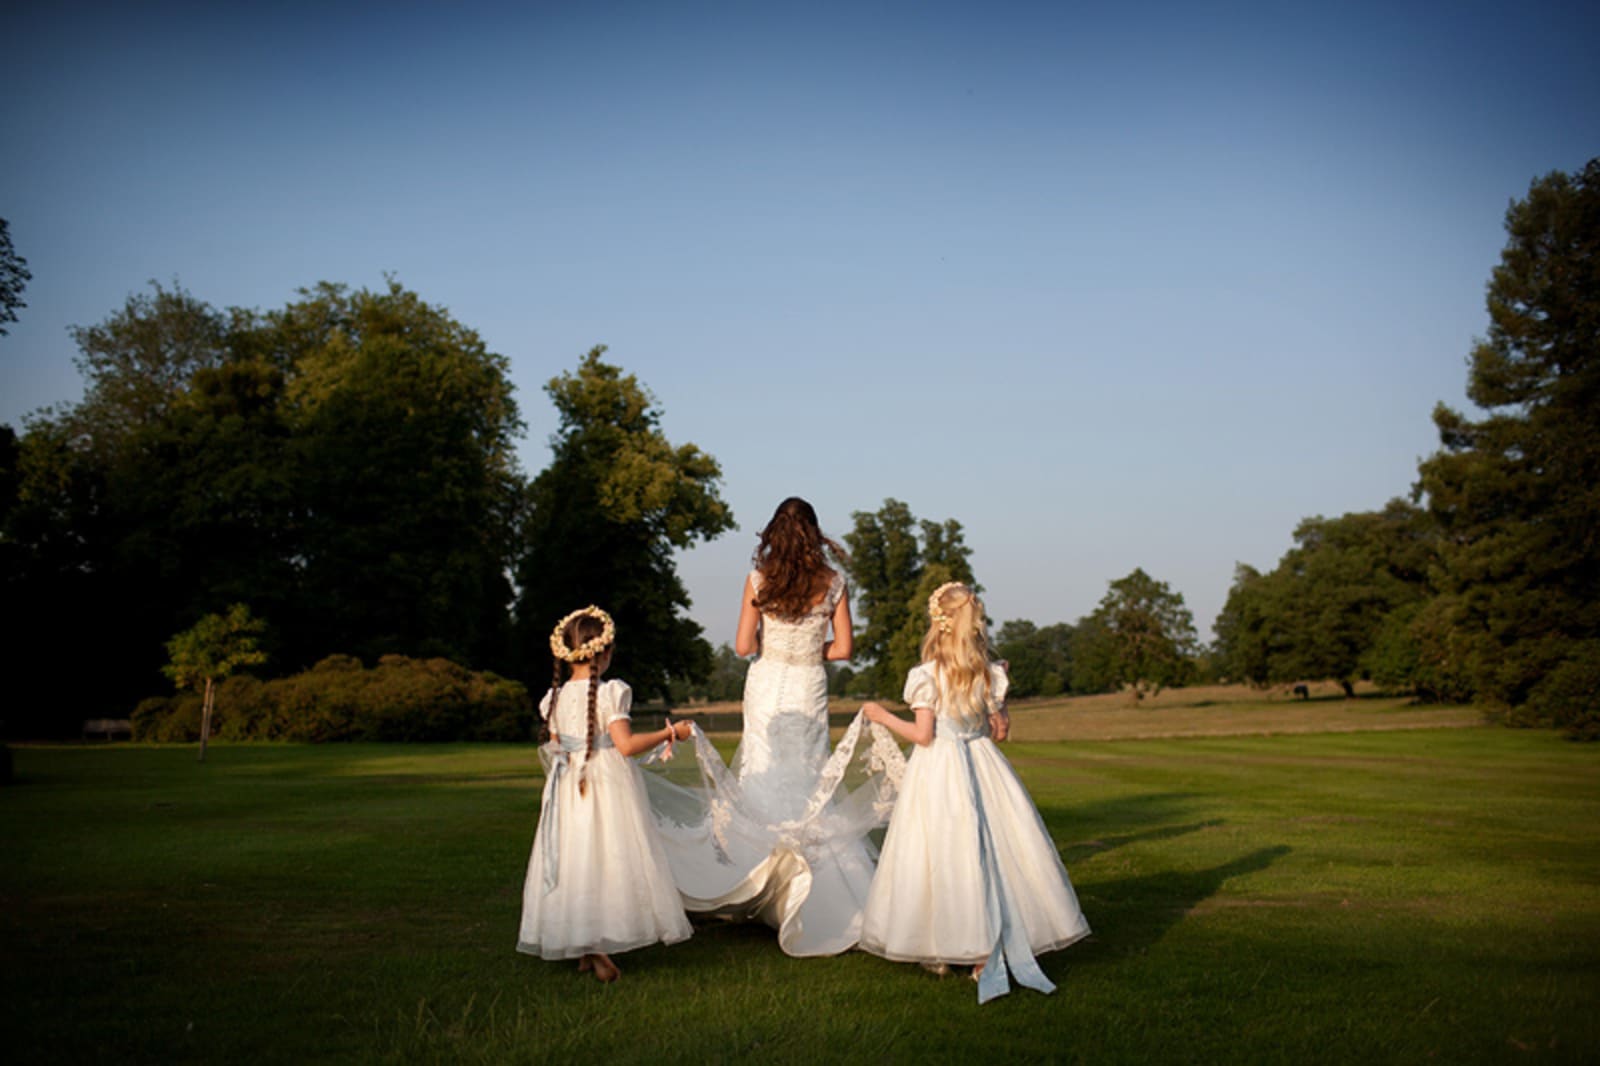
(550, 804)
(1011, 946)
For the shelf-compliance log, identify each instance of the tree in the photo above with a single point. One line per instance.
(1241, 647)
(726, 680)
(407, 489)
(86, 564)
(1040, 658)
(893, 570)
(14, 277)
(1516, 492)
(1332, 600)
(140, 361)
(212, 649)
(602, 521)
(345, 464)
(1141, 636)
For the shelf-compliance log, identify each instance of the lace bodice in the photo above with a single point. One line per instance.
(798, 642)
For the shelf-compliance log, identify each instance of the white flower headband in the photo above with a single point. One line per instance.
(589, 648)
(938, 617)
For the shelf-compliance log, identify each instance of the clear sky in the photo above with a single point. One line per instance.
(1115, 286)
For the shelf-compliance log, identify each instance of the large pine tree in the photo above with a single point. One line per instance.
(1517, 491)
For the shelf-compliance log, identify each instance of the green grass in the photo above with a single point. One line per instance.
(1399, 896)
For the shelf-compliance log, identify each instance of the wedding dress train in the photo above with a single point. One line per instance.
(783, 834)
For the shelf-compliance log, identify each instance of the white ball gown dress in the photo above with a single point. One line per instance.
(598, 879)
(968, 874)
(781, 836)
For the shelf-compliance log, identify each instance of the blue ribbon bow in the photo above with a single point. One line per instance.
(1011, 945)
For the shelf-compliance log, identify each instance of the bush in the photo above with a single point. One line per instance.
(1421, 648)
(167, 719)
(340, 699)
(1569, 696)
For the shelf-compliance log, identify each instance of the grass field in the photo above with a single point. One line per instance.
(1391, 896)
(1198, 711)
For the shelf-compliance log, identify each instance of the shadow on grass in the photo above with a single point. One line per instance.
(1088, 849)
(1126, 818)
(1132, 914)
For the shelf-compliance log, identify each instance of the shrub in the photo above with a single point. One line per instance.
(167, 719)
(399, 699)
(1569, 696)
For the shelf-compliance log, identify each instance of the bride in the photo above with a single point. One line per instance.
(782, 834)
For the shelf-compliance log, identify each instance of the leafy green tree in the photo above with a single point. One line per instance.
(81, 564)
(346, 464)
(885, 565)
(1241, 648)
(1040, 659)
(1095, 666)
(603, 520)
(210, 650)
(895, 564)
(407, 488)
(1419, 649)
(1516, 492)
(841, 679)
(140, 361)
(1140, 637)
(726, 680)
(1331, 601)
(14, 277)
(1340, 583)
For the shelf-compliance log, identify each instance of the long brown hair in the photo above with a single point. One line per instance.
(792, 558)
(579, 631)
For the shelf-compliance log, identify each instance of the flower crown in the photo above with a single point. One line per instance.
(589, 648)
(937, 616)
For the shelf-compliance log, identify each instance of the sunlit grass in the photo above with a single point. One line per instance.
(1383, 896)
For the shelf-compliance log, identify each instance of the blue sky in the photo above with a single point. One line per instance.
(1117, 288)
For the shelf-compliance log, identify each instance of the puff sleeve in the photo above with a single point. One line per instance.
(921, 688)
(618, 702)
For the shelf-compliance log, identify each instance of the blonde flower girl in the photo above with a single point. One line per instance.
(969, 874)
(598, 880)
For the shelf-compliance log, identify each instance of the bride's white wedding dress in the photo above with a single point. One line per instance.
(782, 835)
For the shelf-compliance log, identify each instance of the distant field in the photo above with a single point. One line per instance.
(1201, 711)
(1431, 895)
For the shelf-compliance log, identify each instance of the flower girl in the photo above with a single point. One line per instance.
(968, 874)
(598, 880)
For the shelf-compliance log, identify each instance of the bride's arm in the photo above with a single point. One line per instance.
(842, 646)
(747, 641)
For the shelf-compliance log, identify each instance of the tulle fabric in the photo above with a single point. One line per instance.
(784, 835)
(613, 888)
(927, 903)
(969, 873)
(806, 875)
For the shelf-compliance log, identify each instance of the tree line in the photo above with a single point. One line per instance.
(1140, 638)
(1485, 584)
(344, 466)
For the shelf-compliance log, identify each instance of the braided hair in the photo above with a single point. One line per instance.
(579, 631)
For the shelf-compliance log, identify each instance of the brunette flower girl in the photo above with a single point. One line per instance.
(968, 873)
(598, 880)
